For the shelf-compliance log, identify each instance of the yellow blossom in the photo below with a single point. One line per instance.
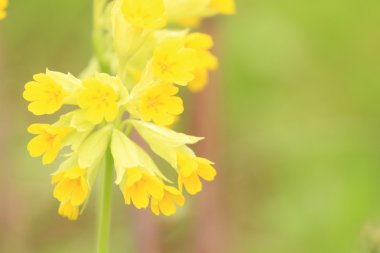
(223, 6)
(150, 62)
(139, 186)
(144, 14)
(160, 104)
(174, 63)
(48, 142)
(3, 6)
(69, 211)
(49, 91)
(167, 205)
(45, 94)
(191, 169)
(201, 43)
(201, 78)
(99, 100)
(71, 186)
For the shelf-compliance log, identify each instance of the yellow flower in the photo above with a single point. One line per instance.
(138, 186)
(160, 104)
(174, 63)
(99, 99)
(49, 91)
(71, 186)
(69, 211)
(45, 94)
(3, 6)
(144, 14)
(191, 169)
(48, 142)
(201, 43)
(223, 6)
(167, 205)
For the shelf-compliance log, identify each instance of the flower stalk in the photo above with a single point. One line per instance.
(105, 207)
(97, 36)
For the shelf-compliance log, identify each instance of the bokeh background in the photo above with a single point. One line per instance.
(298, 126)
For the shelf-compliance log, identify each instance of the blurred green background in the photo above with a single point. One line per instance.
(300, 118)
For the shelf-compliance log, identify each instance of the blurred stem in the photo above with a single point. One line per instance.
(105, 208)
(98, 34)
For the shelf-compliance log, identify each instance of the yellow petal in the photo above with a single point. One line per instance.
(192, 184)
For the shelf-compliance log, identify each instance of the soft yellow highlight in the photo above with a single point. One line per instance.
(191, 169)
(48, 141)
(144, 14)
(189, 22)
(68, 211)
(201, 43)
(71, 186)
(99, 100)
(139, 186)
(3, 6)
(167, 205)
(223, 6)
(173, 63)
(160, 105)
(46, 96)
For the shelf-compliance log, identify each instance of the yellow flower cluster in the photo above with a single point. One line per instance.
(147, 64)
(3, 6)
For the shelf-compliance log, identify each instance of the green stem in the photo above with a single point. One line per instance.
(97, 35)
(105, 208)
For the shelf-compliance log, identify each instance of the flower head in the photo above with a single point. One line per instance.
(49, 91)
(147, 61)
(71, 186)
(46, 96)
(173, 62)
(138, 186)
(99, 100)
(191, 169)
(160, 105)
(48, 142)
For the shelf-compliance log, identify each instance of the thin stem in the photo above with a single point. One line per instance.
(98, 34)
(129, 129)
(105, 208)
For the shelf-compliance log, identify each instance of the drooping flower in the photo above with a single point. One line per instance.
(167, 204)
(137, 175)
(71, 186)
(201, 43)
(173, 62)
(3, 6)
(139, 186)
(191, 169)
(160, 105)
(48, 142)
(144, 14)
